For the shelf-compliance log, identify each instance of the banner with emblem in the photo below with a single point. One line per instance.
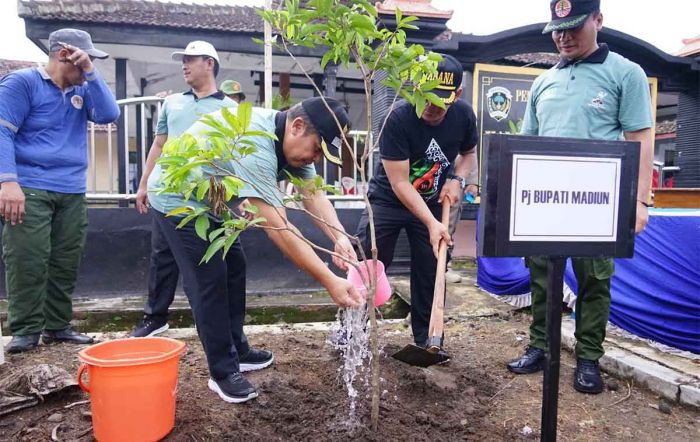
(500, 95)
(499, 98)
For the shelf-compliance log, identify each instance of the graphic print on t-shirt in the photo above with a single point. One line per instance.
(426, 172)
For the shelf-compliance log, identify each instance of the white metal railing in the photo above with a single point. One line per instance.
(101, 182)
(104, 147)
(349, 169)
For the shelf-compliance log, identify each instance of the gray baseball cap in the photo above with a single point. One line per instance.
(74, 37)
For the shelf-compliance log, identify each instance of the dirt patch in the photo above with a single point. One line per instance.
(302, 397)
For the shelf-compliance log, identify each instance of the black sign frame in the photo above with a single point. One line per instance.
(495, 212)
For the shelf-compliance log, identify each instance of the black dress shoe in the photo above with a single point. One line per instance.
(19, 344)
(587, 377)
(531, 362)
(65, 335)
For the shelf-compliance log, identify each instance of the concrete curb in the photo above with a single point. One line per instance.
(191, 332)
(671, 384)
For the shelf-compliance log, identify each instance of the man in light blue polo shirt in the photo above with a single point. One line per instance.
(591, 93)
(200, 66)
(215, 301)
(43, 160)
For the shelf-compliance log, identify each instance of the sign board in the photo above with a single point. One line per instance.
(558, 197)
(500, 95)
(499, 99)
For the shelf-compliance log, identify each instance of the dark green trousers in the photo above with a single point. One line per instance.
(592, 303)
(41, 258)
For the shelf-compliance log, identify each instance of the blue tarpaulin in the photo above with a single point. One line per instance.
(655, 295)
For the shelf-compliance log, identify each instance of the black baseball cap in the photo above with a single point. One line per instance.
(569, 14)
(74, 37)
(325, 125)
(449, 73)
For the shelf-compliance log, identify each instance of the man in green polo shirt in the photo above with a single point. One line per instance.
(591, 93)
(200, 66)
(305, 133)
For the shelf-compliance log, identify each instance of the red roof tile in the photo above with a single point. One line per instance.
(535, 59)
(7, 66)
(692, 47)
(147, 13)
(666, 127)
(418, 8)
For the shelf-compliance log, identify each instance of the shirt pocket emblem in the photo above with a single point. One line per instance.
(598, 102)
(77, 101)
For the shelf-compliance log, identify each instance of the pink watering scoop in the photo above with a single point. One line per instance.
(383, 289)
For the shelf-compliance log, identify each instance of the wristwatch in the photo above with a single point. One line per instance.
(462, 181)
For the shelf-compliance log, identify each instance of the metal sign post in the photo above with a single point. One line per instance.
(550, 386)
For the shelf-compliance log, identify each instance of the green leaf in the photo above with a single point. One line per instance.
(186, 219)
(216, 233)
(326, 5)
(401, 36)
(429, 85)
(434, 57)
(179, 211)
(511, 125)
(212, 249)
(216, 125)
(187, 191)
(362, 22)
(232, 120)
(421, 104)
(434, 99)
(201, 226)
(230, 240)
(171, 160)
(202, 190)
(232, 185)
(245, 114)
(314, 29)
(260, 133)
(326, 58)
(371, 10)
(252, 208)
(256, 221)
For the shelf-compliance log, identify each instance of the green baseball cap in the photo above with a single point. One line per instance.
(231, 87)
(569, 14)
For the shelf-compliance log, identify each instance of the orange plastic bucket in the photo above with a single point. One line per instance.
(132, 387)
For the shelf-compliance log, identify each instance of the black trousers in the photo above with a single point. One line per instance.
(216, 291)
(388, 222)
(162, 274)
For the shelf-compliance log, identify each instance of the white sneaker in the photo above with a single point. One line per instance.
(452, 277)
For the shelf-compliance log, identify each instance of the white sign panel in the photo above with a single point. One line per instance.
(573, 199)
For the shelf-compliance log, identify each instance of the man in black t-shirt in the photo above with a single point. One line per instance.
(425, 162)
